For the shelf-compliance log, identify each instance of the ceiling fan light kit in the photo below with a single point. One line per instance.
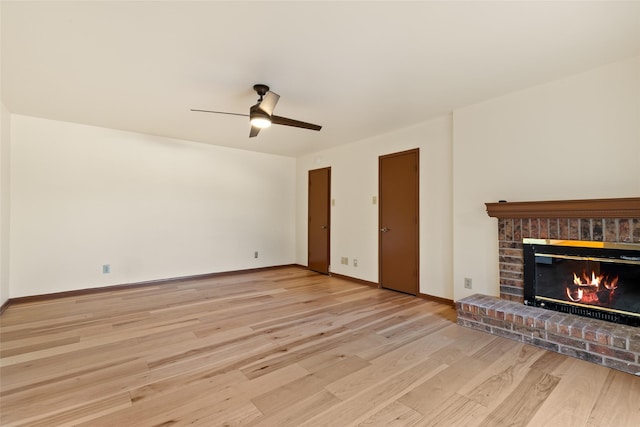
(261, 114)
(259, 118)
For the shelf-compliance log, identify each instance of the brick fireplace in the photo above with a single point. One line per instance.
(602, 220)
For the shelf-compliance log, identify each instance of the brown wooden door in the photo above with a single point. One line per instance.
(398, 219)
(319, 220)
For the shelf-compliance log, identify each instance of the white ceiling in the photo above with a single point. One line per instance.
(357, 68)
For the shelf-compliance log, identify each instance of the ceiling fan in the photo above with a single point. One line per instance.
(261, 114)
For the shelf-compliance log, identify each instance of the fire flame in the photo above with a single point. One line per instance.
(588, 289)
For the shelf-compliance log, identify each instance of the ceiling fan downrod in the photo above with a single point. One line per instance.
(261, 90)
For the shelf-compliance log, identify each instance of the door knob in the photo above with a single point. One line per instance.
(385, 229)
(324, 227)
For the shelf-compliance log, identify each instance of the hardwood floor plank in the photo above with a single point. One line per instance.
(457, 410)
(429, 397)
(618, 402)
(498, 380)
(75, 414)
(395, 361)
(18, 347)
(279, 399)
(524, 402)
(359, 407)
(358, 344)
(49, 397)
(298, 412)
(394, 414)
(111, 338)
(576, 394)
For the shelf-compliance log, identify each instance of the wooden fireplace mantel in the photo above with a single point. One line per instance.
(594, 208)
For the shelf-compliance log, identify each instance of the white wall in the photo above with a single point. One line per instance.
(151, 207)
(576, 138)
(354, 218)
(4, 202)
(154, 208)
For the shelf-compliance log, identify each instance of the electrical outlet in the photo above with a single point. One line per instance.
(106, 268)
(255, 254)
(344, 260)
(355, 262)
(468, 283)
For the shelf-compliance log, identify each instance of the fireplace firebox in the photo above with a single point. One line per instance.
(593, 279)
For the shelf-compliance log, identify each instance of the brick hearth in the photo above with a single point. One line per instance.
(597, 341)
(601, 342)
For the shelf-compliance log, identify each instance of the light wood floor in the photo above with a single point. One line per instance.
(286, 347)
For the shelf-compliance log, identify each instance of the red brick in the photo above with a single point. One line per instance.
(512, 275)
(508, 229)
(585, 229)
(631, 368)
(577, 329)
(501, 228)
(517, 229)
(517, 260)
(597, 231)
(534, 230)
(634, 343)
(507, 334)
(560, 339)
(619, 342)
(541, 343)
(518, 267)
(583, 355)
(612, 352)
(496, 322)
(518, 283)
(604, 336)
(511, 252)
(563, 329)
(510, 244)
(590, 334)
(564, 228)
(624, 230)
(574, 229)
(553, 228)
(610, 230)
(544, 228)
(526, 228)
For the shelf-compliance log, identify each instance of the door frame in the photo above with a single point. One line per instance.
(328, 169)
(417, 215)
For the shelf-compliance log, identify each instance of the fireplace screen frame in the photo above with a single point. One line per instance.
(587, 250)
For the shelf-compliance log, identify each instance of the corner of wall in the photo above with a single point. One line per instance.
(5, 176)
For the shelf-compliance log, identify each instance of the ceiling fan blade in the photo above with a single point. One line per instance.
(220, 112)
(277, 120)
(254, 131)
(269, 102)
